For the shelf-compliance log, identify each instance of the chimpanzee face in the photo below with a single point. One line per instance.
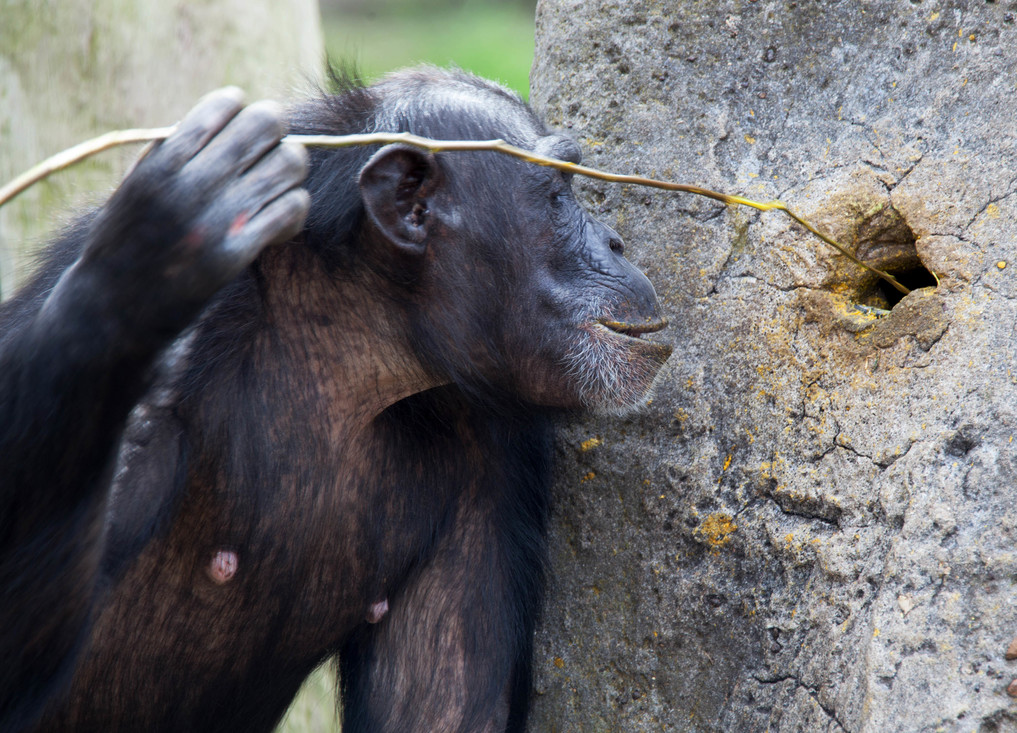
(516, 286)
(588, 304)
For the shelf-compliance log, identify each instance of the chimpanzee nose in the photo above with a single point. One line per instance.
(615, 243)
(636, 305)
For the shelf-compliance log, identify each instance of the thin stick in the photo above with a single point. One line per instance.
(86, 149)
(67, 158)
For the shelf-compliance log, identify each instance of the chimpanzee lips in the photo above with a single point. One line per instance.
(634, 330)
(631, 333)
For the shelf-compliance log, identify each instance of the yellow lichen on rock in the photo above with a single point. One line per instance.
(716, 529)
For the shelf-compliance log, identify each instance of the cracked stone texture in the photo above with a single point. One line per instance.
(813, 525)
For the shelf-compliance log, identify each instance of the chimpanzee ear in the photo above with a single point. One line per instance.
(397, 185)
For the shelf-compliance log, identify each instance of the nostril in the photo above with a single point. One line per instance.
(617, 246)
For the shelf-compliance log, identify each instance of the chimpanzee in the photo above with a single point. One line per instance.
(347, 452)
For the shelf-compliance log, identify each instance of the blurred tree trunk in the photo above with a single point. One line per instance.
(813, 527)
(73, 69)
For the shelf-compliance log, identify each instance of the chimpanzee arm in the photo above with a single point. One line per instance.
(452, 650)
(76, 353)
(442, 657)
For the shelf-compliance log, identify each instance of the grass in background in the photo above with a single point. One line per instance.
(494, 40)
(314, 708)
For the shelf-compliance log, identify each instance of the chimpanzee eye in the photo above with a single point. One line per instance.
(561, 190)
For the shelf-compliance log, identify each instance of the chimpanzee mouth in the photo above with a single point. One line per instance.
(633, 330)
(631, 335)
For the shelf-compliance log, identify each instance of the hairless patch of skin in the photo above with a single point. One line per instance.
(223, 566)
(376, 611)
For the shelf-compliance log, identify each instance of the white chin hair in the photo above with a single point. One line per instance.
(610, 377)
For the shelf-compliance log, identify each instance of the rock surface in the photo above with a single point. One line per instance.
(813, 526)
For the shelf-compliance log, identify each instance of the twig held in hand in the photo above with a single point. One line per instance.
(89, 148)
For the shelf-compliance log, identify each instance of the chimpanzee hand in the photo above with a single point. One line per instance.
(195, 211)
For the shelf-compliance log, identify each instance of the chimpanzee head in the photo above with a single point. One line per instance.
(506, 282)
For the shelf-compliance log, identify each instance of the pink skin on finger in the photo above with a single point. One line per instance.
(239, 223)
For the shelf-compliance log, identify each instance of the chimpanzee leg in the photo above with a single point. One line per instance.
(76, 351)
(452, 653)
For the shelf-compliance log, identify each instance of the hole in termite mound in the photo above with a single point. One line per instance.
(913, 279)
(886, 242)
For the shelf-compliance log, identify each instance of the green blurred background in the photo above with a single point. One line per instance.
(492, 38)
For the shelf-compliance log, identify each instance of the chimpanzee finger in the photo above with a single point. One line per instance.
(280, 220)
(205, 120)
(279, 170)
(247, 137)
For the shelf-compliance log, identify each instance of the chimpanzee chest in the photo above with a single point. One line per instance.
(319, 557)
